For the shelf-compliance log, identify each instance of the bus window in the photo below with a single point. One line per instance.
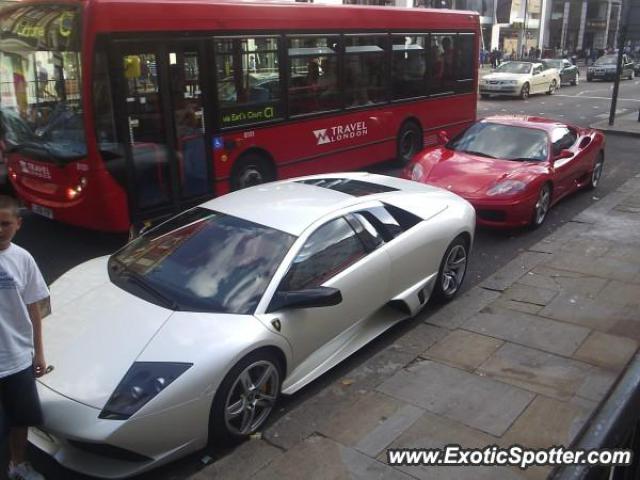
(465, 62)
(248, 77)
(365, 62)
(442, 66)
(313, 75)
(409, 67)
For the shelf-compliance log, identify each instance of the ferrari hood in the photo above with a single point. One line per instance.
(92, 341)
(469, 175)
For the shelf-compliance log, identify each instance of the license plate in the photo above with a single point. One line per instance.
(40, 210)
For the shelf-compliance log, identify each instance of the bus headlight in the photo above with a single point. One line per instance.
(73, 192)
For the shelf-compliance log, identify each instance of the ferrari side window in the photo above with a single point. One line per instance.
(562, 138)
(329, 250)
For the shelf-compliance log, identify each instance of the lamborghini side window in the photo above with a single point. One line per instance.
(331, 249)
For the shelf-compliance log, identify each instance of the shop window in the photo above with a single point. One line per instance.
(365, 78)
(408, 66)
(248, 79)
(313, 75)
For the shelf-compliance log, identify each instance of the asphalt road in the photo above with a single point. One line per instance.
(57, 248)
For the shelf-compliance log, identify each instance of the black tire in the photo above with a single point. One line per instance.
(589, 78)
(596, 173)
(552, 88)
(220, 433)
(484, 96)
(410, 141)
(576, 80)
(542, 206)
(251, 169)
(525, 91)
(443, 291)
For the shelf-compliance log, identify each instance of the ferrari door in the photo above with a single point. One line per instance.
(567, 171)
(335, 256)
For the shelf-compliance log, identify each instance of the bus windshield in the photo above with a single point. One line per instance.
(40, 102)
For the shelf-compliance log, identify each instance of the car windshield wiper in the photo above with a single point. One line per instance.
(127, 274)
(480, 154)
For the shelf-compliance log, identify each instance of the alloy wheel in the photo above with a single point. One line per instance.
(597, 173)
(454, 269)
(542, 205)
(251, 398)
(250, 176)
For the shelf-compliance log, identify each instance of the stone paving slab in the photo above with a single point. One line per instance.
(512, 271)
(433, 431)
(454, 314)
(319, 458)
(560, 237)
(547, 422)
(603, 267)
(564, 281)
(607, 351)
(537, 371)
(478, 402)
(530, 330)
(462, 349)
(598, 314)
(246, 460)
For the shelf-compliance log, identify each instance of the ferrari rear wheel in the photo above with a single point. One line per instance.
(596, 174)
(245, 397)
(452, 270)
(542, 206)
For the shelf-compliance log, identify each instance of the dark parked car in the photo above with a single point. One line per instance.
(605, 68)
(568, 71)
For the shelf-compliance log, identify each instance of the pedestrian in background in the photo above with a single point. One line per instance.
(21, 345)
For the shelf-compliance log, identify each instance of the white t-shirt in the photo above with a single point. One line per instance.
(21, 284)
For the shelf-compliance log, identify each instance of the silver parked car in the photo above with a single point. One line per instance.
(520, 79)
(193, 330)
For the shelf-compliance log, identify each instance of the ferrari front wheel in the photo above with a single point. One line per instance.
(452, 270)
(596, 174)
(542, 206)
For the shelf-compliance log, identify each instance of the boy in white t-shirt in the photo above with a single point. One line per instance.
(21, 346)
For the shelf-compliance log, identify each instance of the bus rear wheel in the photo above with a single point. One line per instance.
(410, 141)
(251, 169)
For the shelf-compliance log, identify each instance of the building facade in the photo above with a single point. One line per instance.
(515, 26)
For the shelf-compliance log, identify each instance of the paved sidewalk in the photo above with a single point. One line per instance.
(524, 358)
(626, 124)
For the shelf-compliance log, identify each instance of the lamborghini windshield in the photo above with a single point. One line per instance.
(40, 82)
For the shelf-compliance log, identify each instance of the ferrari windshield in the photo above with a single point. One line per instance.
(514, 67)
(40, 82)
(506, 142)
(202, 260)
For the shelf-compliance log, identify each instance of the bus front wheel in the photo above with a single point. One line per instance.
(251, 169)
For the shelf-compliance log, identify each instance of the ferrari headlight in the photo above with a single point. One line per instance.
(416, 172)
(507, 187)
(141, 383)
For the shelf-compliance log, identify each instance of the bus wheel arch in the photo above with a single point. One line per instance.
(253, 167)
(410, 140)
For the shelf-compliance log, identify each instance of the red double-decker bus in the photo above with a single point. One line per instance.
(118, 111)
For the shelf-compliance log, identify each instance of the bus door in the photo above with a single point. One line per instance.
(159, 89)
